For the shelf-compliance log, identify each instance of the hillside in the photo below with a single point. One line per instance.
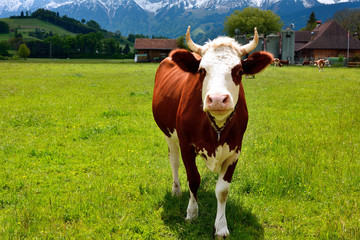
(45, 39)
(27, 25)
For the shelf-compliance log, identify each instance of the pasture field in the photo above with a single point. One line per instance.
(82, 158)
(27, 25)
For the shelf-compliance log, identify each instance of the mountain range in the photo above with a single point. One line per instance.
(170, 18)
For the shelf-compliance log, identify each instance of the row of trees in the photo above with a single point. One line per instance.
(91, 45)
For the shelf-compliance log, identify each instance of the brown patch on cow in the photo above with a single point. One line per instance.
(185, 60)
(256, 62)
(230, 172)
(237, 73)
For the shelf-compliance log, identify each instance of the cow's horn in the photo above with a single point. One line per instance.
(250, 46)
(193, 46)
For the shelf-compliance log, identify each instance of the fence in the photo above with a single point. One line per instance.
(353, 64)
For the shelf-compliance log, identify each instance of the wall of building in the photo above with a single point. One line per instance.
(151, 55)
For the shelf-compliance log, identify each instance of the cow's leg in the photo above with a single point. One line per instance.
(174, 161)
(222, 190)
(193, 177)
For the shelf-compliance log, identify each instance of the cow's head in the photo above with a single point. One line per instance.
(221, 69)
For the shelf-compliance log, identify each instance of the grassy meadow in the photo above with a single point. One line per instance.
(82, 158)
(26, 25)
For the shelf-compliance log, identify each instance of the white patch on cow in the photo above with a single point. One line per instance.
(222, 153)
(219, 58)
(192, 211)
(222, 189)
(173, 144)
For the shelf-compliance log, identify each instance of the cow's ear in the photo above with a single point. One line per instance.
(256, 62)
(186, 60)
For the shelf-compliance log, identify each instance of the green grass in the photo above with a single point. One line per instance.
(81, 157)
(27, 25)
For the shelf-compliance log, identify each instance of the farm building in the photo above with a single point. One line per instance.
(153, 50)
(326, 40)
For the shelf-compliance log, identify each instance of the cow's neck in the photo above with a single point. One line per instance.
(219, 126)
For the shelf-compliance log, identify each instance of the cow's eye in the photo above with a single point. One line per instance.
(236, 74)
(201, 71)
(239, 72)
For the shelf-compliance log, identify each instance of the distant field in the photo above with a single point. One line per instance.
(81, 157)
(27, 25)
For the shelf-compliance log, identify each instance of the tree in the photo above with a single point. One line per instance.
(126, 49)
(311, 23)
(349, 19)
(109, 46)
(266, 21)
(131, 38)
(4, 27)
(180, 41)
(23, 51)
(4, 47)
(93, 24)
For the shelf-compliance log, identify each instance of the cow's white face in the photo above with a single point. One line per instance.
(220, 92)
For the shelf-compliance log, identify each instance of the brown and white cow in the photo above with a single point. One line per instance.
(277, 62)
(320, 63)
(199, 104)
(284, 62)
(306, 63)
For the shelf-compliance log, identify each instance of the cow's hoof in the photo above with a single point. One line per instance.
(176, 191)
(191, 217)
(222, 233)
(192, 211)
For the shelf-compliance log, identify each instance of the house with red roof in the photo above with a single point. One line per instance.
(326, 40)
(153, 50)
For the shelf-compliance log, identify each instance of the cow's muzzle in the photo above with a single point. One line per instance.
(218, 103)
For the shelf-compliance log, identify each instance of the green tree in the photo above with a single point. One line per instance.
(349, 19)
(109, 46)
(4, 47)
(266, 21)
(4, 27)
(180, 41)
(311, 23)
(131, 38)
(23, 51)
(126, 49)
(93, 25)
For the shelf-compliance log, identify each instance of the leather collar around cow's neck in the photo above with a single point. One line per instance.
(218, 129)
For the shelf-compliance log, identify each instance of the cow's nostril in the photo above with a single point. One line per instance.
(225, 99)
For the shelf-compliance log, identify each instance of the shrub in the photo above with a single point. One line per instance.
(356, 57)
(341, 57)
(23, 51)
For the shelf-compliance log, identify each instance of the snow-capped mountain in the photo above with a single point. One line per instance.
(171, 17)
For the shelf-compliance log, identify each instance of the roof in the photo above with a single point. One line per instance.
(330, 35)
(155, 44)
